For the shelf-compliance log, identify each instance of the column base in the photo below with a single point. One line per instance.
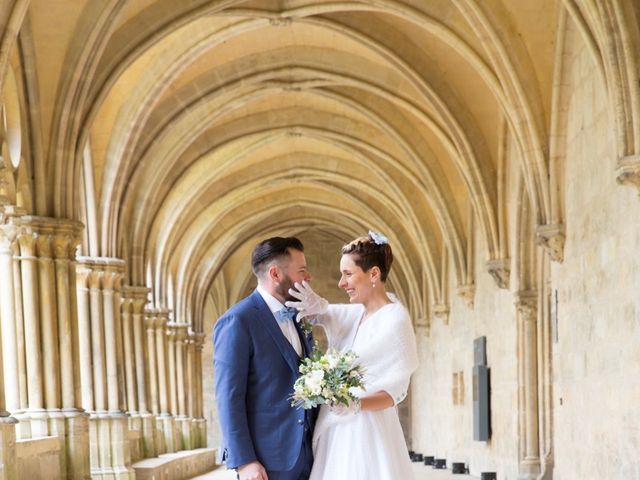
(77, 445)
(57, 428)
(166, 427)
(149, 434)
(33, 423)
(201, 432)
(135, 436)
(184, 428)
(8, 464)
(529, 469)
(109, 445)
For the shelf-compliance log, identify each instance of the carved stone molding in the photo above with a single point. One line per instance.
(551, 238)
(527, 304)
(628, 171)
(468, 293)
(280, 21)
(440, 312)
(500, 270)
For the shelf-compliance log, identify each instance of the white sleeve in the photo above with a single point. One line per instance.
(392, 372)
(339, 323)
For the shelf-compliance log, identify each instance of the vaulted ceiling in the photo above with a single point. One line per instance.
(204, 125)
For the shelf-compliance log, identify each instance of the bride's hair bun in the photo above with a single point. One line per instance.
(367, 254)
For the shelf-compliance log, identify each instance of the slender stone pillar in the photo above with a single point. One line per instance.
(171, 354)
(75, 419)
(36, 414)
(191, 386)
(20, 336)
(109, 430)
(138, 298)
(184, 419)
(172, 384)
(50, 338)
(165, 420)
(150, 316)
(8, 469)
(8, 234)
(199, 420)
(527, 308)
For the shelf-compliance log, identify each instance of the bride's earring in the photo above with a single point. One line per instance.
(373, 284)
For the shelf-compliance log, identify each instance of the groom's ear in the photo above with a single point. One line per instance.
(274, 272)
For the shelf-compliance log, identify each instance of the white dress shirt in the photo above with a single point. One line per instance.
(286, 325)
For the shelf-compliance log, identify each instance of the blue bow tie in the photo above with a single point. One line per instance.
(286, 313)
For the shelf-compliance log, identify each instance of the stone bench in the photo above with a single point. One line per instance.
(176, 466)
(38, 458)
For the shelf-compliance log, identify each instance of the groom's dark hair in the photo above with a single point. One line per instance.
(273, 248)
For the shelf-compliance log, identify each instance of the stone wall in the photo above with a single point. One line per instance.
(597, 356)
(595, 430)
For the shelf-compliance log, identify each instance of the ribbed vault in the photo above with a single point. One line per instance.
(192, 129)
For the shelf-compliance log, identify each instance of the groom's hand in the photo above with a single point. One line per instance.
(252, 471)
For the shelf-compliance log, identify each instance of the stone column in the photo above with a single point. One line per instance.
(527, 309)
(138, 298)
(109, 431)
(150, 317)
(165, 420)
(20, 336)
(171, 359)
(173, 387)
(35, 414)
(45, 320)
(129, 362)
(191, 385)
(76, 420)
(132, 407)
(199, 420)
(9, 380)
(8, 234)
(184, 420)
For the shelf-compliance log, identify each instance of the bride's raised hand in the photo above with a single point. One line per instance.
(310, 303)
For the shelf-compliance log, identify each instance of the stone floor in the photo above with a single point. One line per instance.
(420, 473)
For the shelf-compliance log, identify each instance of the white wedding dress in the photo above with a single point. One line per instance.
(368, 445)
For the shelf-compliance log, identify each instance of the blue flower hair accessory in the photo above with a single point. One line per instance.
(378, 238)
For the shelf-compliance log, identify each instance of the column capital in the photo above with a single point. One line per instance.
(52, 226)
(27, 243)
(551, 237)
(82, 276)
(527, 304)
(44, 246)
(150, 316)
(181, 331)
(198, 339)
(137, 296)
(500, 271)
(467, 293)
(162, 317)
(8, 237)
(63, 247)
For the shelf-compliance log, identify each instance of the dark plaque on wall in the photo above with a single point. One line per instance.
(481, 391)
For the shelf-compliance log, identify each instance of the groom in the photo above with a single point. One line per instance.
(257, 350)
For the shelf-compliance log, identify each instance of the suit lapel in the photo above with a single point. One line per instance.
(305, 340)
(271, 325)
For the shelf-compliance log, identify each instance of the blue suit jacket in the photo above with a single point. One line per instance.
(255, 368)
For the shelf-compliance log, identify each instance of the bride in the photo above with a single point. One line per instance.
(364, 440)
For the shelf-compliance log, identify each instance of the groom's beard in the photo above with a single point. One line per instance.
(283, 289)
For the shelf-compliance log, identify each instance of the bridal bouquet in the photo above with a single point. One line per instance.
(327, 379)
